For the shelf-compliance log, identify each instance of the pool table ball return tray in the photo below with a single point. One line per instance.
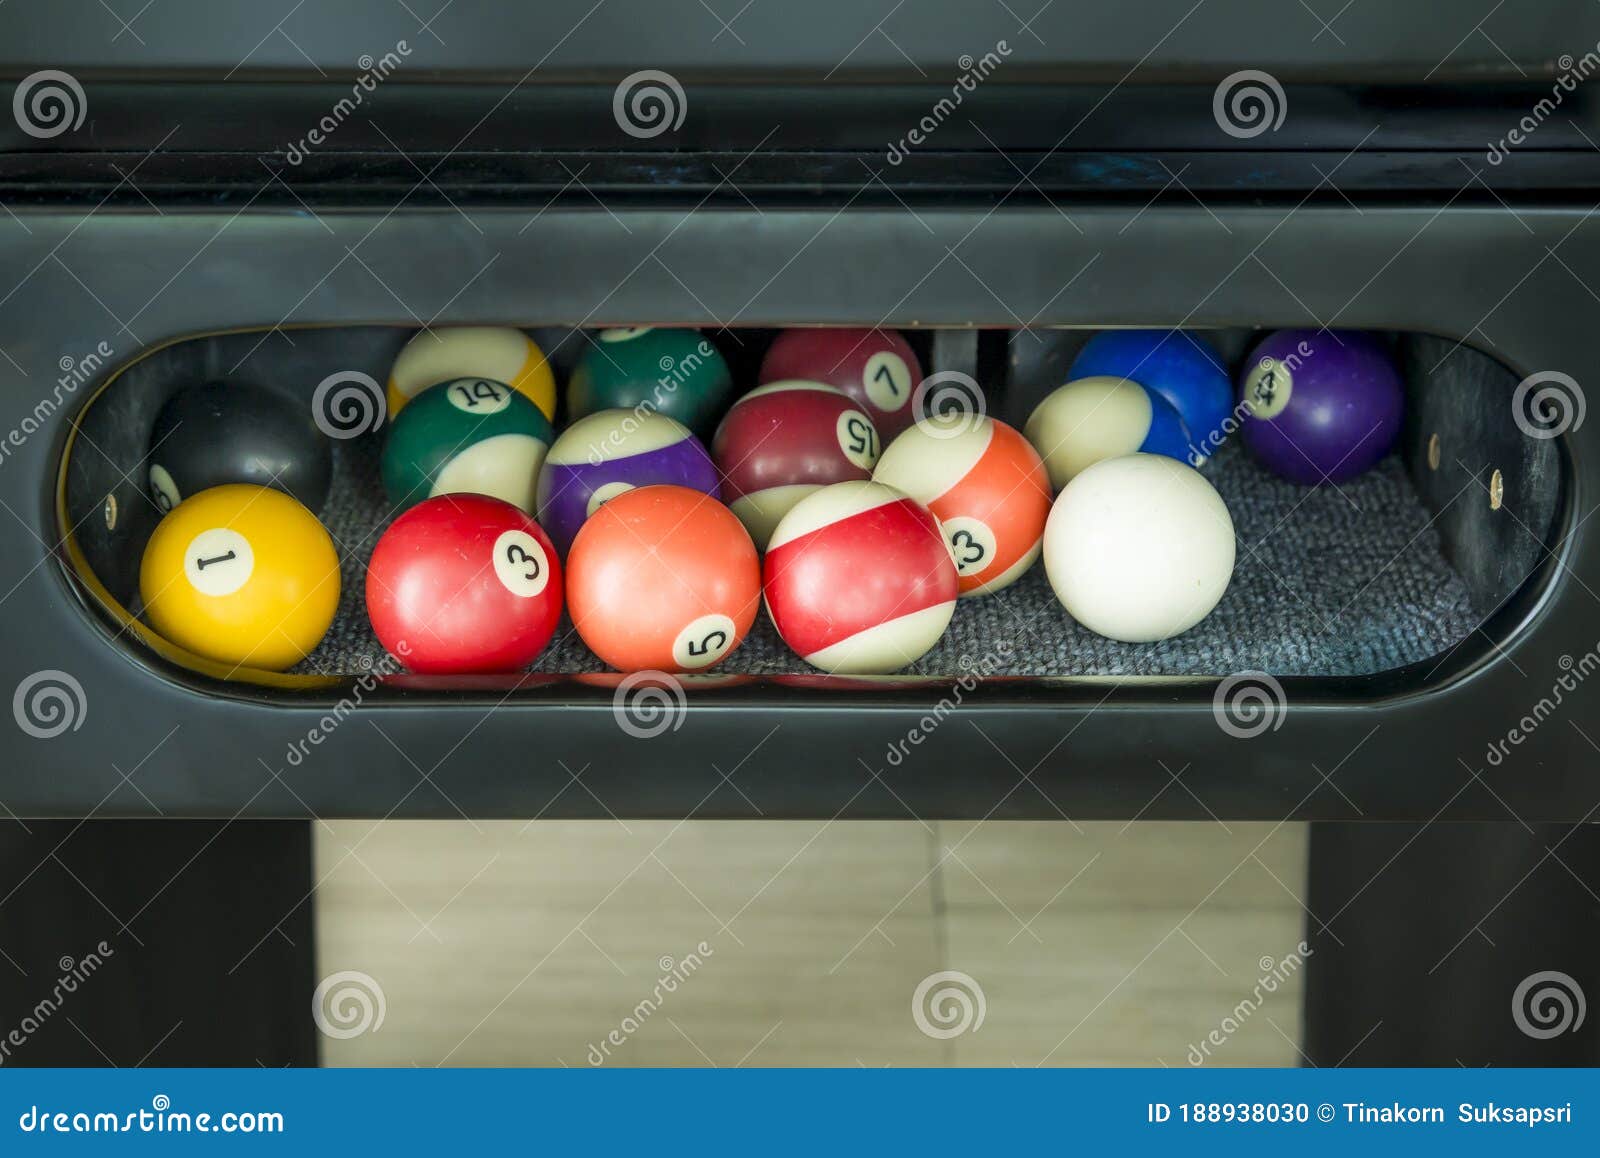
(1418, 624)
(1447, 594)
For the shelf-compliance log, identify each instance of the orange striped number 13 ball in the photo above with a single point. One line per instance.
(987, 487)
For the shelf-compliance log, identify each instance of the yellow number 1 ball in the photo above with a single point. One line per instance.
(499, 353)
(243, 575)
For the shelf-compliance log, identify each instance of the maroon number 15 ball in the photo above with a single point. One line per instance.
(1320, 405)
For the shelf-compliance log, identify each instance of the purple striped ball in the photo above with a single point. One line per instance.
(601, 455)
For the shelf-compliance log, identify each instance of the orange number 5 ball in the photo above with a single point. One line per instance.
(243, 575)
(663, 578)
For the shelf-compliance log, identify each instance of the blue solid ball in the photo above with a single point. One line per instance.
(1180, 366)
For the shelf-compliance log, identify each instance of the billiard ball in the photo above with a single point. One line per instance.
(784, 440)
(462, 584)
(598, 457)
(663, 578)
(858, 579)
(498, 353)
(986, 486)
(472, 435)
(877, 368)
(243, 575)
(669, 371)
(1092, 419)
(1178, 365)
(1139, 548)
(216, 433)
(1323, 405)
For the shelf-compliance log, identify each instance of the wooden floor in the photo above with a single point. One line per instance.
(789, 943)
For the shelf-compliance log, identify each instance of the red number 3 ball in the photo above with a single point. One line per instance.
(464, 583)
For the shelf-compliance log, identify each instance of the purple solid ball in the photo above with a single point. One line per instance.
(1322, 405)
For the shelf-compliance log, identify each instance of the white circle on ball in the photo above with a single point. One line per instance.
(887, 379)
(604, 494)
(521, 564)
(624, 333)
(1139, 548)
(218, 561)
(479, 396)
(972, 543)
(1267, 387)
(858, 438)
(163, 488)
(703, 641)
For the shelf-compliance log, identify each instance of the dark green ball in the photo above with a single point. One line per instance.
(677, 373)
(471, 435)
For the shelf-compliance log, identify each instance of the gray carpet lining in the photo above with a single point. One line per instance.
(1332, 581)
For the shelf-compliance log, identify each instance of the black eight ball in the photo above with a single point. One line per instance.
(212, 434)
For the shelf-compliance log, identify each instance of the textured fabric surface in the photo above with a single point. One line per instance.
(1345, 581)
(1328, 581)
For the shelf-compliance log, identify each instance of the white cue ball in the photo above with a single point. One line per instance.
(1139, 548)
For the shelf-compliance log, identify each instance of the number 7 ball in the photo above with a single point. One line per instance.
(877, 368)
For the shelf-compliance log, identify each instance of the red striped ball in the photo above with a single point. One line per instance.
(859, 579)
